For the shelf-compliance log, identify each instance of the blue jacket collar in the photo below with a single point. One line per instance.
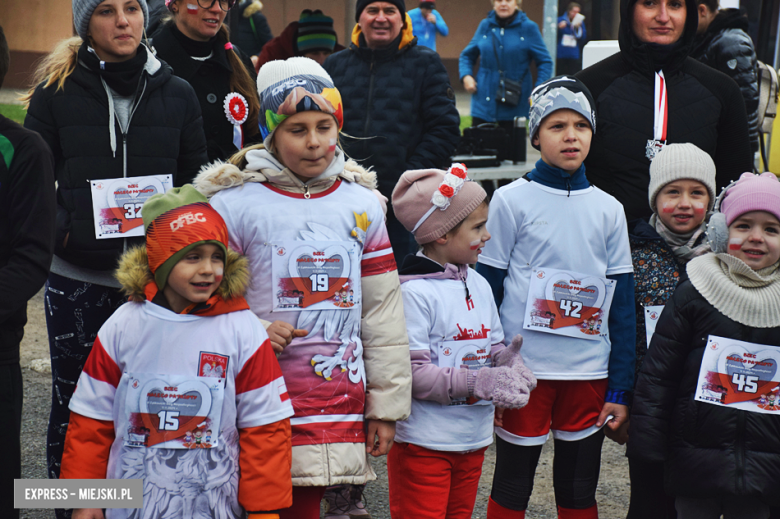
(557, 178)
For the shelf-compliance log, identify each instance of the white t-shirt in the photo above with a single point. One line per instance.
(145, 341)
(535, 226)
(439, 319)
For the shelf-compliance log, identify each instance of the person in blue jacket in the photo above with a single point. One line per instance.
(426, 22)
(571, 37)
(506, 42)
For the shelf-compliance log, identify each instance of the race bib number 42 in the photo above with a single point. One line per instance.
(568, 303)
(173, 411)
(740, 375)
(117, 204)
(316, 275)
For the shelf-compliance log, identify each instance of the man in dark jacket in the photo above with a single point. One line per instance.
(27, 210)
(400, 110)
(704, 108)
(722, 42)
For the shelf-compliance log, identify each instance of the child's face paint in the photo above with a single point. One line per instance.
(304, 143)
(754, 238)
(735, 243)
(195, 278)
(681, 205)
(464, 245)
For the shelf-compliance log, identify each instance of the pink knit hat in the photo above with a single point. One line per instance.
(752, 193)
(430, 202)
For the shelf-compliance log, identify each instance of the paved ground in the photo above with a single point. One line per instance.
(9, 97)
(613, 484)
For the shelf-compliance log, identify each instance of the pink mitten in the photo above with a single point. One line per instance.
(510, 356)
(504, 386)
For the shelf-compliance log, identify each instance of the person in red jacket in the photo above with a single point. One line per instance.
(312, 36)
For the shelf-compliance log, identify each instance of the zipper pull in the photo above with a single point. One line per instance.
(306, 193)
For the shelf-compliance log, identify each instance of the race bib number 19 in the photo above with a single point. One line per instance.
(740, 375)
(316, 275)
(568, 303)
(117, 204)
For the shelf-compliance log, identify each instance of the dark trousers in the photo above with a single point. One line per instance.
(648, 498)
(11, 394)
(75, 311)
(576, 467)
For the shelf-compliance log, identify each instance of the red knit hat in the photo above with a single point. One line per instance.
(430, 202)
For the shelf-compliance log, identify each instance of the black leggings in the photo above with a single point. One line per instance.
(576, 466)
(75, 311)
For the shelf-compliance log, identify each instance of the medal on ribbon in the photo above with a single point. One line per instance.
(660, 113)
(237, 111)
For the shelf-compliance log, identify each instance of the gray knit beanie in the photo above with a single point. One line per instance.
(678, 162)
(83, 9)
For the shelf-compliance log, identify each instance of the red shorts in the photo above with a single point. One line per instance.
(569, 407)
(428, 484)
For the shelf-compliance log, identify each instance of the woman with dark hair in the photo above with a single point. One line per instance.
(109, 110)
(506, 42)
(695, 104)
(648, 95)
(196, 43)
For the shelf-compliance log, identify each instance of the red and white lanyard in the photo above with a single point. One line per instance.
(660, 108)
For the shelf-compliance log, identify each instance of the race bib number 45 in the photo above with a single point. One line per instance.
(117, 204)
(740, 375)
(173, 411)
(316, 275)
(568, 303)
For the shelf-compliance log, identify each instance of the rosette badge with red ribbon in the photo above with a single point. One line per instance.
(237, 111)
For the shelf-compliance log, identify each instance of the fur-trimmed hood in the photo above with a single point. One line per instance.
(134, 275)
(219, 175)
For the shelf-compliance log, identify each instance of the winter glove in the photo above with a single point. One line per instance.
(504, 386)
(510, 357)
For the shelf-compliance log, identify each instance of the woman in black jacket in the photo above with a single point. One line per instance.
(196, 43)
(109, 110)
(707, 403)
(704, 106)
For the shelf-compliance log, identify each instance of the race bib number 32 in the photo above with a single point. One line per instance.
(568, 303)
(117, 204)
(740, 375)
(173, 411)
(316, 275)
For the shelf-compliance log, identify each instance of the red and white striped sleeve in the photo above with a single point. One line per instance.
(261, 394)
(96, 387)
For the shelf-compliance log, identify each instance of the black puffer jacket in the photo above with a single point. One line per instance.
(709, 450)
(211, 81)
(164, 137)
(400, 98)
(726, 46)
(705, 108)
